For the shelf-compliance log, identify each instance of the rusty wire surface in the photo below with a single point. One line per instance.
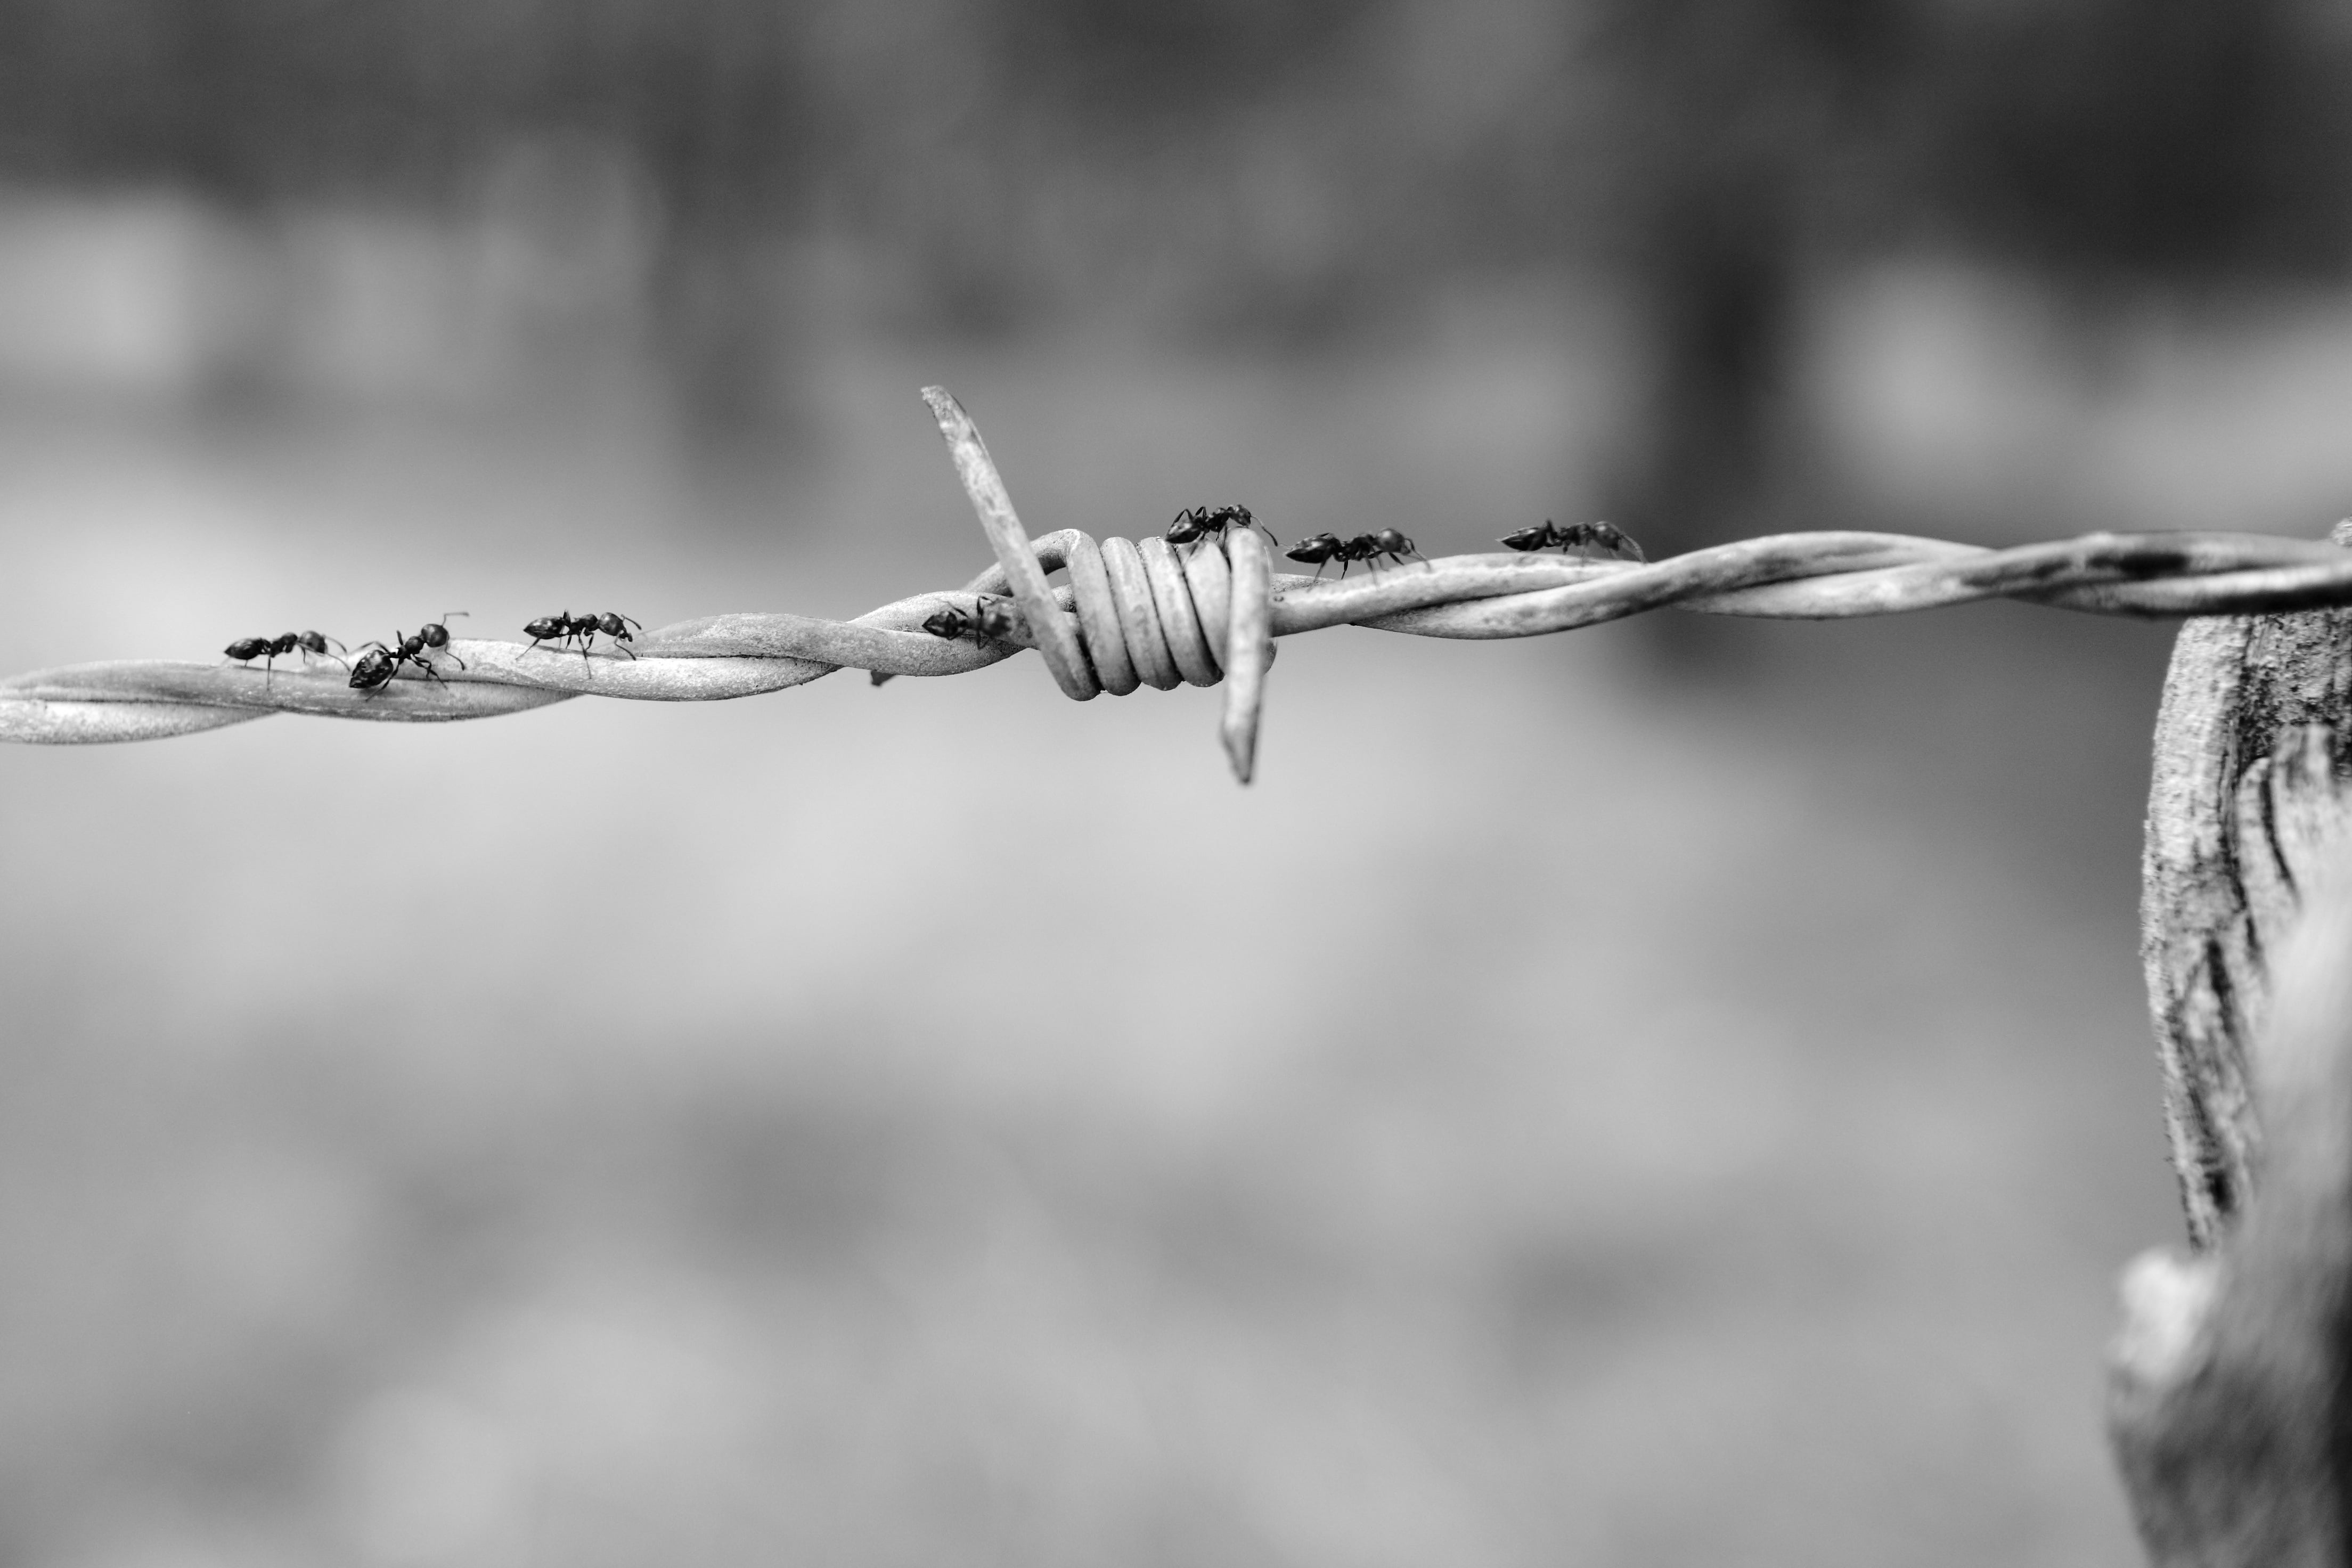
(1136, 613)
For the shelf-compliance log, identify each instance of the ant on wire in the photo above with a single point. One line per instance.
(376, 669)
(987, 618)
(1194, 524)
(567, 626)
(270, 651)
(1577, 536)
(1368, 548)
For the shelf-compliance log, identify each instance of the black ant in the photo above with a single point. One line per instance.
(987, 618)
(377, 665)
(1196, 523)
(270, 651)
(1577, 536)
(377, 669)
(567, 626)
(1368, 548)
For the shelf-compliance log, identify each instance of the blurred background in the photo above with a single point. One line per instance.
(1673, 1093)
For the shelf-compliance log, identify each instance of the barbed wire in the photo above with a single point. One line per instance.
(1138, 612)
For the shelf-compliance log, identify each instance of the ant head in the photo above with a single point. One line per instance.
(945, 623)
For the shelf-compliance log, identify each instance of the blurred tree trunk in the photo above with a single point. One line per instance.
(1719, 304)
(1731, 124)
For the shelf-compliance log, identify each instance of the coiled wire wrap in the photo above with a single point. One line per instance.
(1138, 612)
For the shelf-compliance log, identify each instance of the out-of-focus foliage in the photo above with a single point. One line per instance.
(1276, 171)
(2159, 137)
(2161, 141)
(259, 99)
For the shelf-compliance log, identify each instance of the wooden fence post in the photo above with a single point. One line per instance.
(2230, 1384)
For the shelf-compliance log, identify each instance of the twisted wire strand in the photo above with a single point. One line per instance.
(1138, 613)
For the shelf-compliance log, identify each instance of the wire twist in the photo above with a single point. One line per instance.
(1136, 613)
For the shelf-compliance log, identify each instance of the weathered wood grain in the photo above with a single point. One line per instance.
(2248, 768)
(2229, 1404)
